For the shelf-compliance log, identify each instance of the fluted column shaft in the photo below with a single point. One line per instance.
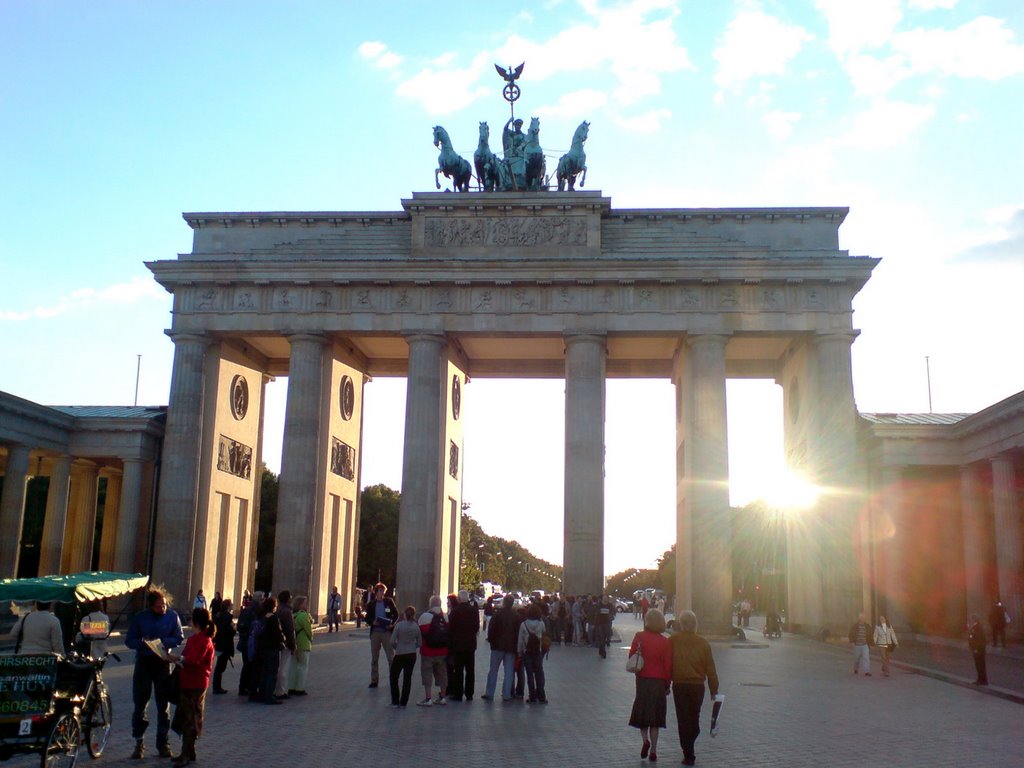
(179, 477)
(705, 507)
(585, 361)
(54, 523)
(975, 539)
(128, 517)
(1009, 555)
(111, 515)
(418, 567)
(895, 549)
(301, 461)
(82, 532)
(12, 509)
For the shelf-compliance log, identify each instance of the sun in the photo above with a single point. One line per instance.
(789, 491)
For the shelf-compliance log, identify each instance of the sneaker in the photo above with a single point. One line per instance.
(441, 701)
(425, 703)
(139, 752)
(396, 706)
(164, 750)
(486, 697)
(372, 685)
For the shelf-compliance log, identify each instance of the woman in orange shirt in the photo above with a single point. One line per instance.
(652, 682)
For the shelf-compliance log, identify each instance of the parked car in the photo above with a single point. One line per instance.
(622, 606)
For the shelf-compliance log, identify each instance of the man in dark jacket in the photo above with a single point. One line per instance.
(502, 634)
(692, 665)
(977, 641)
(997, 620)
(250, 610)
(463, 627)
(224, 643)
(284, 616)
(381, 615)
(156, 622)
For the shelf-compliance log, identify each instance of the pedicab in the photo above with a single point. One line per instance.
(51, 704)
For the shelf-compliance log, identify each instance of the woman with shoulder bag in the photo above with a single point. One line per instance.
(196, 667)
(650, 659)
(885, 640)
(303, 645)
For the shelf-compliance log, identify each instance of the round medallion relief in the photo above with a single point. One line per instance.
(794, 399)
(347, 399)
(456, 397)
(239, 397)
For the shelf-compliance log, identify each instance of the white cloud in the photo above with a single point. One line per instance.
(779, 123)
(575, 104)
(647, 123)
(378, 53)
(853, 26)
(371, 49)
(929, 5)
(983, 48)
(886, 124)
(1005, 241)
(119, 293)
(756, 45)
(874, 76)
(443, 91)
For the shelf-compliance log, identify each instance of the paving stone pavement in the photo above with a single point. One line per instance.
(789, 703)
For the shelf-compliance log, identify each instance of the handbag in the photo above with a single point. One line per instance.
(635, 663)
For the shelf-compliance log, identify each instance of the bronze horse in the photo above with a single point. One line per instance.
(451, 164)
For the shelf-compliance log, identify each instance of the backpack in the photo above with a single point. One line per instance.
(437, 635)
(532, 643)
(545, 643)
(255, 630)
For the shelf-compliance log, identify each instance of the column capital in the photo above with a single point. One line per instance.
(18, 457)
(847, 337)
(703, 338)
(433, 337)
(188, 337)
(592, 337)
(1002, 459)
(315, 338)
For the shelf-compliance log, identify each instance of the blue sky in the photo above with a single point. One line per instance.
(118, 116)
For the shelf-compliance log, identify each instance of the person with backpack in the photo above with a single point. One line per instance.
(531, 651)
(433, 650)
(381, 615)
(250, 607)
(501, 634)
(465, 626)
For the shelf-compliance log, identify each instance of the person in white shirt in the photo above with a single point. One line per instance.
(39, 632)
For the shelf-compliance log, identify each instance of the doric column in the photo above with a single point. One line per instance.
(1009, 557)
(975, 539)
(52, 545)
(179, 476)
(12, 509)
(585, 360)
(418, 573)
(79, 539)
(128, 516)
(834, 457)
(111, 515)
(704, 511)
(894, 548)
(301, 460)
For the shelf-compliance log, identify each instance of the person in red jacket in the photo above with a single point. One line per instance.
(196, 668)
(652, 682)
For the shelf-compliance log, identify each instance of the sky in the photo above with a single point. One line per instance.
(119, 116)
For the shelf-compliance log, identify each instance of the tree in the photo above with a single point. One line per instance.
(264, 577)
(378, 535)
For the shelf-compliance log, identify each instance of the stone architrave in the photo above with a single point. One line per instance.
(584, 463)
(302, 459)
(179, 477)
(12, 509)
(52, 544)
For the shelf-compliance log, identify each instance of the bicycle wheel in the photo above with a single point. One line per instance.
(63, 742)
(97, 726)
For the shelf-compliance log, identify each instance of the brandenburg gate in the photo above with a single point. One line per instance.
(458, 286)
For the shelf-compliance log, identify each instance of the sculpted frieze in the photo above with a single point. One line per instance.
(511, 231)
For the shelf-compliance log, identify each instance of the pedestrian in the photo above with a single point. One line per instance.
(215, 605)
(488, 611)
(577, 621)
(251, 605)
(303, 646)
(692, 664)
(287, 622)
(333, 610)
(267, 639)
(645, 606)
(977, 642)
(502, 636)
(998, 618)
(604, 626)
(885, 640)
(158, 621)
(223, 644)
(381, 615)
(530, 647)
(39, 632)
(464, 625)
(653, 681)
(406, 639)
(433, 651)
(200, 601)
(196, 665)
(859, 638)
